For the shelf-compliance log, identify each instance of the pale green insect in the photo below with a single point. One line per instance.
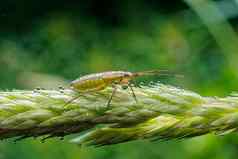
(99, 81)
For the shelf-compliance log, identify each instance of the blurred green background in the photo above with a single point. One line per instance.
(45, 43)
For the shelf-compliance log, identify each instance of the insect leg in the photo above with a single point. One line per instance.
(72, 100)
(113, 93)
(133, 93)
(82, 94)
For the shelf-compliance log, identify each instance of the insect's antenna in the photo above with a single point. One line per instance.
(156, 72)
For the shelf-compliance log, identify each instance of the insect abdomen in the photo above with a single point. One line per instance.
(87, 85)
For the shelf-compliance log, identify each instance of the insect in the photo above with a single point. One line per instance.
(99, 81)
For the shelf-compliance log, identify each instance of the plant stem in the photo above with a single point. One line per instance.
(162, 112)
